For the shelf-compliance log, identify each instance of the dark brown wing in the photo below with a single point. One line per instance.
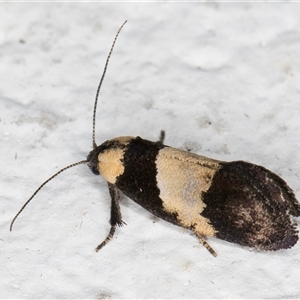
(249, 205)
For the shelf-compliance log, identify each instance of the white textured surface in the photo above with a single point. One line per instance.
(221, 79)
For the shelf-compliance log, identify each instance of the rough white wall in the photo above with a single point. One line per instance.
(221, 78)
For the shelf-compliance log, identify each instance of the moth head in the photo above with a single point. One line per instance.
(107, 159)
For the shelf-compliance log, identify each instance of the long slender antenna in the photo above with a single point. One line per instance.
(100, 83)
(25, 204)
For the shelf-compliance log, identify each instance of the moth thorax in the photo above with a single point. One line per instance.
(110, 164)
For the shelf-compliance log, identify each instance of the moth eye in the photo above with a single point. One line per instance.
(95, 171)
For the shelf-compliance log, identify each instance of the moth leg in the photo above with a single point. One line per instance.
(162, 137)
(108, 238)
(115, 214)
(205, 244)
(115, 211)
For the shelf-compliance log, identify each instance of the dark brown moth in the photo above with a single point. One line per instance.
(238, 202)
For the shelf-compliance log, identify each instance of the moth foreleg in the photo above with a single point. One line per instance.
(115, 211)
(110, 235)
(115, 214)
(205, 244)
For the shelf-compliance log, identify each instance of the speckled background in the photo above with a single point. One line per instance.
(221, 78)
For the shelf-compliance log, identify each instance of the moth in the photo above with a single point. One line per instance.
(237, 201)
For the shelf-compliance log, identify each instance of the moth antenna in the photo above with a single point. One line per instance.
(25, 204)
(100, 83)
